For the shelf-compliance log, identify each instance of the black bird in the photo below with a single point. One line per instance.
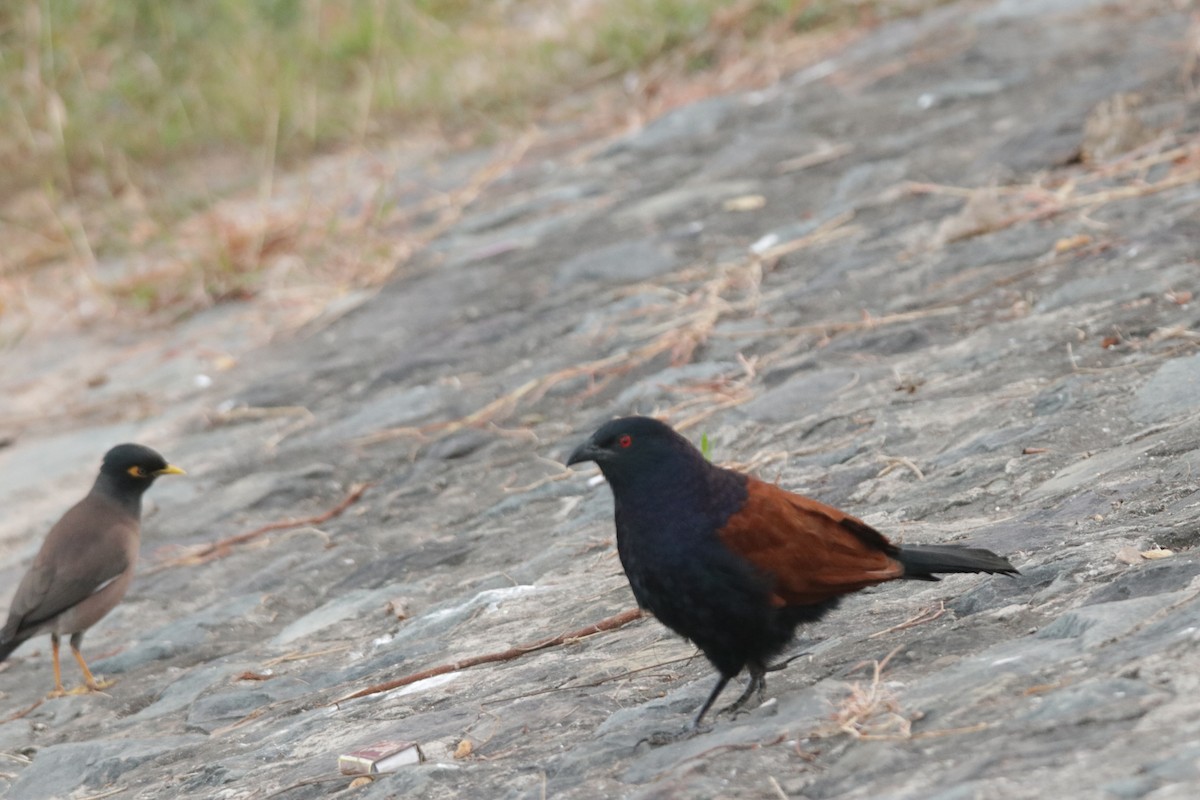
(86, 563)
(735, 564)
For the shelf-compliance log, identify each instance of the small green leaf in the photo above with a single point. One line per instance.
(705, 447)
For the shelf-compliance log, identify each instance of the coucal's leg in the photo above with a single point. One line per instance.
(757, 682)
(711, 699)
(784, 664)
(90, 684)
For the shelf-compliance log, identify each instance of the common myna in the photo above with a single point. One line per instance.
(86, 563)
(735, 564)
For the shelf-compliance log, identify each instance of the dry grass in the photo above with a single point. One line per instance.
(305, 72)
(143, 146)
(1163, 164)
(674, 332)
(696, 299)
(173, 204)
(107, 87)
(296, 252)
(871, 710)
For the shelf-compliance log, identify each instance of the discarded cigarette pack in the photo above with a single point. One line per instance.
(380, 757)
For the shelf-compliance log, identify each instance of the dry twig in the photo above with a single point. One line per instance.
(564, 687)
(298, 656)
(921, 617)
(23, 712)
(222, 547)
(611, 623)
(868, 322)
(895, 462)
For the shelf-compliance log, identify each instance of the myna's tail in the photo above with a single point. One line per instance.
(7, 647)
(923, 562)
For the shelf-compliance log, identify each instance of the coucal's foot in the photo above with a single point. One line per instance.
(659, 738)
(757, 685)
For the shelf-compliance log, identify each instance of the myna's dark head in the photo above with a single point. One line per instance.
(133, 467)
(633, 448)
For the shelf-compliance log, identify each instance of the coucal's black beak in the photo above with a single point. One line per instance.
(585, 452)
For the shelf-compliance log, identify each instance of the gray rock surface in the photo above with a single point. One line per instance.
(1016, 370)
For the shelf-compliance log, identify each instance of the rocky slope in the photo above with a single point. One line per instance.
(942, 280)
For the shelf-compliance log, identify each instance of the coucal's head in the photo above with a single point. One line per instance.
(133, 467)
(636, 448)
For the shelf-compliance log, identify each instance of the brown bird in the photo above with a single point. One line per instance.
(86, 563)
(735, 564)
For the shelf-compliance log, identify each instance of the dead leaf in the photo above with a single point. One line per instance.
(822, 155)
(747, 202)
(985, 211)
(1040, 688)
(1158, 552)
(1129, 555)
(361, 781)
(464, 749)
(1173, 332)
(1072, 243)
(398, 608)
(1033, 451)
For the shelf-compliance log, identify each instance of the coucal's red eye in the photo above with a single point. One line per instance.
(625, 440)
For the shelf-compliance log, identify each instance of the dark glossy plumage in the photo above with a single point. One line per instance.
(735, 564)
(86, 563)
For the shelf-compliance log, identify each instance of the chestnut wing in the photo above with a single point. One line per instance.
(812, 551)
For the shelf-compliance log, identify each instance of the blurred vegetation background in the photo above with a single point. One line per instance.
(104, 104)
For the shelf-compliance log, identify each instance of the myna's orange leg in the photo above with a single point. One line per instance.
(58, 687)
(90, 684)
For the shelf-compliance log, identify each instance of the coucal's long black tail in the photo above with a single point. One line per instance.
(923, 562)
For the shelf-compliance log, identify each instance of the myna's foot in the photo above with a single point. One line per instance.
(92, 686)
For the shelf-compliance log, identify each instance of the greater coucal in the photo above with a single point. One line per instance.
(735, 564)
(86, 563)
